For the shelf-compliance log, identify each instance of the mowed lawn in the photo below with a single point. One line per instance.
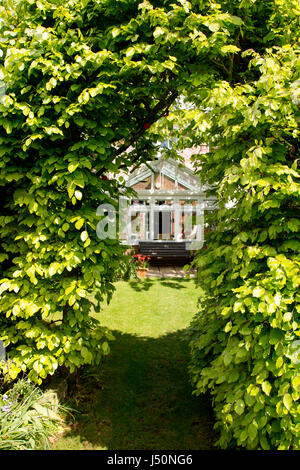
(140, 397)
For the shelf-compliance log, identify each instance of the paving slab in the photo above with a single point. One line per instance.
(169, 271)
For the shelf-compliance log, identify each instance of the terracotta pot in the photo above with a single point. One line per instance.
(141, 272)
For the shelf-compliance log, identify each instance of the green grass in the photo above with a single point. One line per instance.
(140, 398)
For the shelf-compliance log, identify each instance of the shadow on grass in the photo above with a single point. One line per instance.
(140, 398)
(175, 284)
(146, 284)
(141, 284)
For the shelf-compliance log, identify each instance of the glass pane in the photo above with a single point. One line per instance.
(189, 224)
(139, 225)
(188, 202)
(163, 225)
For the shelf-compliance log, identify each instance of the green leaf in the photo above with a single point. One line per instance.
(72, 300)
(296, 383)
(266, 387)
(258, 292)
(84, 235)
(46, 412)
(78, 195)
(79, 223)
(230, 49)
(105, 347)
(239, 407)
(80, 292)
(227, 358)
(69, 289)
(279, 362)
(86, 354)
(252, 431)
(287, 401)
(264, 443)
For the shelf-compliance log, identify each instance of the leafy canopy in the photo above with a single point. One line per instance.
(85, 82)
(245, 341)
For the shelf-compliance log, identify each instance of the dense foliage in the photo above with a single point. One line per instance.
(85, 80)
(246, 338)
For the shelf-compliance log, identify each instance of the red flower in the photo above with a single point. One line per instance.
(141, 259)
(147, 125)
(104, 177)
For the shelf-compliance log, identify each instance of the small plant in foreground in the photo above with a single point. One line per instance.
(27, 419)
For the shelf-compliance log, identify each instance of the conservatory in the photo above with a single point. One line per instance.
(169, 205)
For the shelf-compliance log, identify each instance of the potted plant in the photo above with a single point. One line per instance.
(142, 264)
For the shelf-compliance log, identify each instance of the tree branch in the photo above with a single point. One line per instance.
(162, 105)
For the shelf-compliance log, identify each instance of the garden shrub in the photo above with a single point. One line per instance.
(27, 418)
(245, 342)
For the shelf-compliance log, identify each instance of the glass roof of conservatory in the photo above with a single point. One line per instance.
(182, 177)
